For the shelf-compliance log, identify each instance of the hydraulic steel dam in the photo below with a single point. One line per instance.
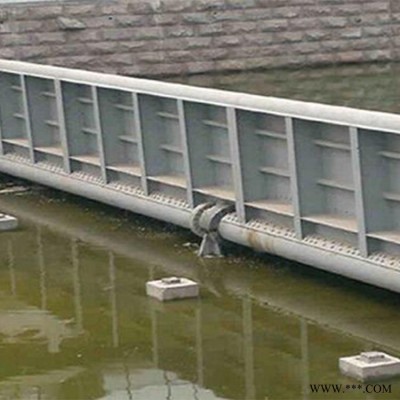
(313, 183)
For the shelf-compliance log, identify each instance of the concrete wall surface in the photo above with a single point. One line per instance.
(164, 37)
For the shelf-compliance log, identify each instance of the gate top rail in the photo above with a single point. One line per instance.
(373, 120)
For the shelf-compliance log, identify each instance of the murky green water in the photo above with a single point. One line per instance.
(368, 86)
(75, 322)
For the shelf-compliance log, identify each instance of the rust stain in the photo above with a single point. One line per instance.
(259, 242)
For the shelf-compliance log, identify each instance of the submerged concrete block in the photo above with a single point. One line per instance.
(8, 222)
(172, 288)
(369, 366)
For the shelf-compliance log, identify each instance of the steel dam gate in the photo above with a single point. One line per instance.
(313, 183)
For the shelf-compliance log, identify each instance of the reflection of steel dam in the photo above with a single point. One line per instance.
(346, 320)
(313, 183)
(120, 379)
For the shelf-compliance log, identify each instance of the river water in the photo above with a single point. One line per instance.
(366, 86)
(75, 322)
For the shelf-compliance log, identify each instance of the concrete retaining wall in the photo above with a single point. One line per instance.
(156, 37)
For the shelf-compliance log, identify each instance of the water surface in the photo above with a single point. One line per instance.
(365, 86)
(75, 322)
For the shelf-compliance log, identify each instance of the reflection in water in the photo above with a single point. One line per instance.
(199, 347)
(21, 323)
(42, 269)
(304, 359)
(79, 326)
(154, 335)
(113, 301)
(77, 286)
(11, 267)
(248, 349)
(39, 386)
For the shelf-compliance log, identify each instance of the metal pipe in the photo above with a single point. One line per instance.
(346, 265)
(147, 206)
(349, 266)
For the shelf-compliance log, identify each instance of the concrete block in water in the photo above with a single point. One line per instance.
(172, 288)
(8, 222)
(370, 366)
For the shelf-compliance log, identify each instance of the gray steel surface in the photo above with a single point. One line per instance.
(314, 183)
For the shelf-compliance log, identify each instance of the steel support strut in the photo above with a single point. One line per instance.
(204, 223)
